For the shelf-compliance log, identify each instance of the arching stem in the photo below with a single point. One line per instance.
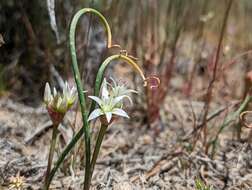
(105, 64)
(79, 85)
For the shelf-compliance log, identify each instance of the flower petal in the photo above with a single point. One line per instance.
(129, 98)
(65, 89)
(59, 101)
(113, 80)
(73, 91)
(63, 106)
(105, 92)
(108, 116)
(118, 99)
(72, 96)
(54, 92)
(47, 93)
(96, 113)
(128, 91)
(120, 112)
(97, 100)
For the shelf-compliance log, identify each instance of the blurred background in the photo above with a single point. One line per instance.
(201, 51)
(176, 40)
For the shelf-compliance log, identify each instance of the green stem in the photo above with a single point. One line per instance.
(79, 85)
(65, 152)
(51, 154)
(230, 118)
(80, 93)
(97, 148)
(98, 82)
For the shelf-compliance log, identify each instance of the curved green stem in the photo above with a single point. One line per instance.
(50, 156)
(79, 85)
(97, 148)
(102, 18)
(82, 101)
(103, 67)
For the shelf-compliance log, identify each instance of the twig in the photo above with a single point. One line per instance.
(30, 139)
(161, 165)
(209, 118)
(211, 84)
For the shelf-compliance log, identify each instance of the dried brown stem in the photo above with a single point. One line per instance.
(211, 83)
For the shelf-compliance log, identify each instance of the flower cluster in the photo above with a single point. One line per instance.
(111, 101)
(17, 182)
(59, 103)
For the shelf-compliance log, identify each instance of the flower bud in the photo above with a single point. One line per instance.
(47, 94)
(58, 104)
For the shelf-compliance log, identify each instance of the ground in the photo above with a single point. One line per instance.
(132, 157)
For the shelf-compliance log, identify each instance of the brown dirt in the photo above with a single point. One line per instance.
(132, 157)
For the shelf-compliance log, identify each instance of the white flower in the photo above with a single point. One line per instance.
(110, 102)
(104, 90)
(107, 108)
(70, 94)
(59, 102)
(121, 90)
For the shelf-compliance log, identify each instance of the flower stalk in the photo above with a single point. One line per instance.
(110, 106)
(51, 154)
(97, 148)
(57, 105)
